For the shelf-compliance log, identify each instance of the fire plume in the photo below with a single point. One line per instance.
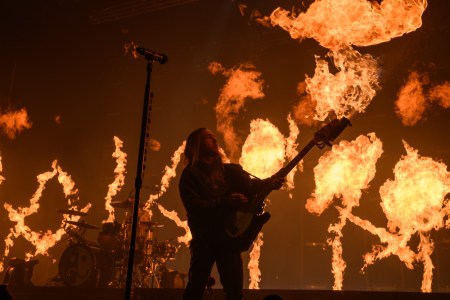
(343, 172)
(415, 97)
(339, 23)
(172, 215)
(418, 180)
(119, 180)
(253, 263)
(14, 122)
(169, 174)
(335, 173)
(243, 83)
(42, 241)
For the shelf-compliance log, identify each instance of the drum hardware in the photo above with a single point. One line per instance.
(151, 224)
(71, 212)
(127, 203)
(81, 224)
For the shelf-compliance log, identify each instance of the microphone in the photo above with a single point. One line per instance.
(150, 55)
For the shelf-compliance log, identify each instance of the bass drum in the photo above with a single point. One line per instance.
(85, 266)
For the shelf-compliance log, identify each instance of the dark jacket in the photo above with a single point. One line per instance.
(207, 208)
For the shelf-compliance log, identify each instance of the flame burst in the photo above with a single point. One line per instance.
(415, 97)
(119, 180)
(264, 143)
(337, 25)
(243, 83)
(343, 172)
(14, 122)
(351, 89)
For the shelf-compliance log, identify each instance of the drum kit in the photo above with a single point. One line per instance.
(104, 263)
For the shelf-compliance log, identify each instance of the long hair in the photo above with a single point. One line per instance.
(192, 148)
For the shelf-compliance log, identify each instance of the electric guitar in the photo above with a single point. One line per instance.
(245, 225)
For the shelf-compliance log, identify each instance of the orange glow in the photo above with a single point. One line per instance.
(58, 119)
(169, 174)
(14, 122)
(243, 83)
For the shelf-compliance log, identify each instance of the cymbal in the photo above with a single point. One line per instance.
(71, 212)
(82, 224)
(122, 204)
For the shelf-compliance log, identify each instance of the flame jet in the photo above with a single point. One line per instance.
(343, 172)
(41, 241)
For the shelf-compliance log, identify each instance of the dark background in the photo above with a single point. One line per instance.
(67, 58)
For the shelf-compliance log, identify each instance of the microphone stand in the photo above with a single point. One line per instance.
(138, 181)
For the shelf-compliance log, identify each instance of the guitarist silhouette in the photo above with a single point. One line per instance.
(212, 190)
(224, 206)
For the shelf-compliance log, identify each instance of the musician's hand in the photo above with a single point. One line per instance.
(237, 201)
(276, 182)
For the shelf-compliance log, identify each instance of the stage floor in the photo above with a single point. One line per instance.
(72, 293)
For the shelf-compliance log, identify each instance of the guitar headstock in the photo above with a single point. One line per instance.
(330, 132)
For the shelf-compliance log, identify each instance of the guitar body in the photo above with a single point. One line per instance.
(245, 226)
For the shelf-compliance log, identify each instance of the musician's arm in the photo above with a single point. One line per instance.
(194, 194)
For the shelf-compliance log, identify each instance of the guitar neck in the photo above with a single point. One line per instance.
(259, 199)
(291, 165)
